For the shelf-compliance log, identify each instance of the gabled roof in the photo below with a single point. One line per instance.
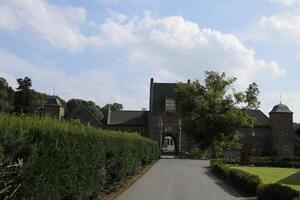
(128, 118)
(261, 118)
(53, 101)
(84, 115)
(161, 91)
(280, 108)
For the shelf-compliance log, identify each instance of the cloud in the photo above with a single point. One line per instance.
(98, 85)
(174, 48)
(56, 24)
(287, 2)
(285, 25)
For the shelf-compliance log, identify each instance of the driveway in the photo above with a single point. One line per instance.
(179, 179)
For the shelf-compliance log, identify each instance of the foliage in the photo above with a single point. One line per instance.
(276, 161)
(243, 180)
(246, 181)
(70, 161)
(276, 192)
(6, 96)
(90, 105)
(212, 112)
(23, 96)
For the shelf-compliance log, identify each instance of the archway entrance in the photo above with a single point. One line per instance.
(169, 145)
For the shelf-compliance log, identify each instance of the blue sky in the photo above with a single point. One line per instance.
(107, 50)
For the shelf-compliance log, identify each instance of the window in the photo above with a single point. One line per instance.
(253, 134)
(170, 105)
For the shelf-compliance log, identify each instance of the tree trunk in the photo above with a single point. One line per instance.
(213, 150)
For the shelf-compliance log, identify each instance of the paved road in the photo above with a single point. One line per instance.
(175, 179)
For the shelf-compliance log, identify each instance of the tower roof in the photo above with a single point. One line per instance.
(53, 101)
(281, 108)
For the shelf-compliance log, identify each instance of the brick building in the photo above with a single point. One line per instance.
(271, 135)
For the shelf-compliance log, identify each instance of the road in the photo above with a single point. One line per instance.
(178, 179)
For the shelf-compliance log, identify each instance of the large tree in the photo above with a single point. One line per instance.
(23, 96)
(213, 112)
(6, 96)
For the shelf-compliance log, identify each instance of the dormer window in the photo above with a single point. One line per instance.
(170, 105)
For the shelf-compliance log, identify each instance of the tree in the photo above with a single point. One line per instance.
(113, 107)
(23, 96)
(6, 96)
(213, 112)
(90, 105)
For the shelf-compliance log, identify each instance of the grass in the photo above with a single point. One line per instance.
(284, 176)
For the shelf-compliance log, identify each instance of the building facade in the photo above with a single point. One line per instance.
(271, 135)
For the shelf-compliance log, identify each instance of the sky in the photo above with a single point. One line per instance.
(107, 50)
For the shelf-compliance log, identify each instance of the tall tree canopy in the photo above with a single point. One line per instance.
(6, 96)
(213, 112)
(23, 96)
(90, 105)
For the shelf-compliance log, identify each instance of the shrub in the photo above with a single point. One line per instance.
(276, 161)
(276, 192)
(244, 180)
(70, 161)
(219, 169)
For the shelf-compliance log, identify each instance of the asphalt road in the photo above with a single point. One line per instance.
(176, 179)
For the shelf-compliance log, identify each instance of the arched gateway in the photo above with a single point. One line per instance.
(169, 144)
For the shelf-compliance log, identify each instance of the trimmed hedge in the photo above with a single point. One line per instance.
(276, 192)
(251, 184)
(293, 162)
(70, 161)
(243, 180)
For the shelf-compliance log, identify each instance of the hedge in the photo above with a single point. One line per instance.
(243, 180)
(70, 161)
(290, 162)
(276, 192)
(251, 184)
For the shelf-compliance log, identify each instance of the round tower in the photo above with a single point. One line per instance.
(281, 121)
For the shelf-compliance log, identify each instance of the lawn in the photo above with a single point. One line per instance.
(284, 176)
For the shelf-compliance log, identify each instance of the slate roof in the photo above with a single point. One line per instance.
(84, 115)
(160, 91)
(128, 118)
(261, 119)
(53, 101)
(281, 108)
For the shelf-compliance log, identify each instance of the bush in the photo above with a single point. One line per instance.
(276, 192)
(244, 180)
(276, 161)
(70, 161)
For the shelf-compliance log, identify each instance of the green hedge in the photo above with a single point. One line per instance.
(243, 180)
(70, 161)
(276, 192)
(251, 184)
(276, 161)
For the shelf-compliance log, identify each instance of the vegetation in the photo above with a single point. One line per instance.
(69, 161)
(213, 112)
(253, 183)
(283, 176)
(7, 96)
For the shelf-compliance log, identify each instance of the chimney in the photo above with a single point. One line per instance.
(151, 94)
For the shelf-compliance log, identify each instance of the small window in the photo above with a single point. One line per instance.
(170, 105)
(253, 134)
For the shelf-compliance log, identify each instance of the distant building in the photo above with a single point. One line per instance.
(81, 113)
(270, 135)
(53, 108)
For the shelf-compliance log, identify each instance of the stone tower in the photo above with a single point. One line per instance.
(53, 108)
(281, 121)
